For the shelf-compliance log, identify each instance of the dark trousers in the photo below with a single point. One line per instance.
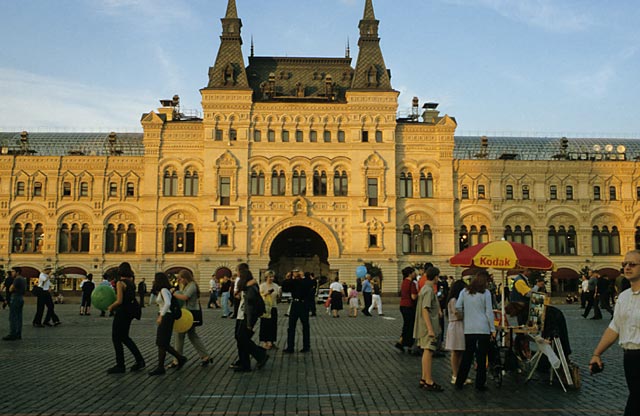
(478, 345)
(631, 365)
(408, 319)
(583, 299)
(213, 300)
(312, 305)
(367, 302)
(299, 310)
(246, 347)
(605, 303)
(48, 302)
(15, 316)
(37, 319)
(120, 338)
(592, 303)
(141, 295)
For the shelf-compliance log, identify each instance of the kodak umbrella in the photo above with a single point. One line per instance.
(502, 255)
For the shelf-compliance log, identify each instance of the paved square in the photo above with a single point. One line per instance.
(353, 369)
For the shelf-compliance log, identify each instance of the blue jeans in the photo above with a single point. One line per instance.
(15, 315)
(225, 304)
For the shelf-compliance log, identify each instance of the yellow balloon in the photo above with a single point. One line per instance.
(184, 323)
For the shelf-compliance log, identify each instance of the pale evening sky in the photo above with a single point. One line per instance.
(515, 67)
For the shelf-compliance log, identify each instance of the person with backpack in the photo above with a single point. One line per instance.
(249, 311)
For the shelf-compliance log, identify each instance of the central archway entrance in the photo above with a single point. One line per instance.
(299, 247)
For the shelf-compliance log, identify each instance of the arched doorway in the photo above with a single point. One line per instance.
(299, 247)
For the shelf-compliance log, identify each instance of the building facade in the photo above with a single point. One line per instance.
(300, 161)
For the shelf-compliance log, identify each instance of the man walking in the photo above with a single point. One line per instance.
(17, 289)
(213, 292)
(367, 294)
(592, 297)
(142, 291)
(299, 287)
(44, 282)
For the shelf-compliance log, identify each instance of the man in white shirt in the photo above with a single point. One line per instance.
(45, 299)
(625, 327)
(213, 292)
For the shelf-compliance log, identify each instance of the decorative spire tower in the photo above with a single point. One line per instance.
(229, 69)
(370, 71)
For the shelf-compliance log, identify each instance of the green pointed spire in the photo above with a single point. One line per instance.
(368, 11)
(229, 69)
(371, 71)
(232, 11)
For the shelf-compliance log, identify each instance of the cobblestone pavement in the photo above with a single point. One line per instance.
(353, 369)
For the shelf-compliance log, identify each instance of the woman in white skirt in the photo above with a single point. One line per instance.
(455, 329)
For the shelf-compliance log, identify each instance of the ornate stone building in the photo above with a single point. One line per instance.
(304, 162)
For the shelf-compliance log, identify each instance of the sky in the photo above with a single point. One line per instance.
(500, 67)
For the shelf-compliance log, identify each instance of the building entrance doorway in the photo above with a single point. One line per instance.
(299, 247)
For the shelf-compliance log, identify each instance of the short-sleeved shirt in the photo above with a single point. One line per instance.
(191, 290)
(626, 320)
(428, 300)
(366, 286)
(407, 288)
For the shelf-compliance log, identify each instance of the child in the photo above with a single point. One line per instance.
(353, 301)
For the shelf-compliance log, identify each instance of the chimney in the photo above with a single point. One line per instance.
(430, 114)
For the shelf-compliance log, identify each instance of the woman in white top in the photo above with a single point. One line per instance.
(475, 304)
(269, 326)
(335, 293)
(165, 322)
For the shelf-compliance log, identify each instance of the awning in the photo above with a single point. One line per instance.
(609, 272)
(176, 270)
(74, 271)
(565, 273)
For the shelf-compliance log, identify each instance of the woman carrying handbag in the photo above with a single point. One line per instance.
(191, 295)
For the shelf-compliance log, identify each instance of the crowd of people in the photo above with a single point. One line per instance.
(426, 299)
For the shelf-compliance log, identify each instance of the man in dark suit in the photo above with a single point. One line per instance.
(142, 291)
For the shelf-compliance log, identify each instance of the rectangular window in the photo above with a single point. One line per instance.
(224, 240)
(509, 192)
(271, 136)
(481, 193)
(20, 189)
(218, 135)
(341, 136)
(525, 191)
(553, 192)
(84, 189)
(37, 189)
(257, 136)
(233, 135)
(113, 189)
(131, 190)
(373, 240)
(596, 193)
(225, 190)
(372, 191)
(66, 189)
(327, 136)
(569, 193)
(365, 136)
(313, 136)
(299, 136)
(285, 136)
(638, 193)
(378, 136)
(612, 193)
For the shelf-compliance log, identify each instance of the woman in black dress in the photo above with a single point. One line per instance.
(125, 294)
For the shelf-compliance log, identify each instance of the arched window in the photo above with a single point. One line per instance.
(299, 185)
(553, 247)
(257, 183)
(637, 238)
(596, 193)
(509, 192)
(191, 183)
(465, 192)
(426, 185)
(527, 236)
(406, 239)
(508, 233)
(319, 183)
(483, 237)
(406, 185)
(553, 192)
(427, 240)
(612, 193)
(110, 239)
(572, 241)
(74, 238)
(27, 238)
(66, 189)
(463, 238)
(604, 242)
(131, 190)
(473, 235)
(517, 234)
(278, 183)
(340, 184)
(525, 192)
(416, 239)
(481, 192)
(84, 188)
(170, 183)
(569, 193)
(615, 240)
(179, 238)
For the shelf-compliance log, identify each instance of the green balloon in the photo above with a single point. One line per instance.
(180, 301)
(102, 297)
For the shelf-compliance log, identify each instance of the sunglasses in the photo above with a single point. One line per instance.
(628, 263)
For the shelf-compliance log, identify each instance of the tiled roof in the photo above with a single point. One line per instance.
(61, 144)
